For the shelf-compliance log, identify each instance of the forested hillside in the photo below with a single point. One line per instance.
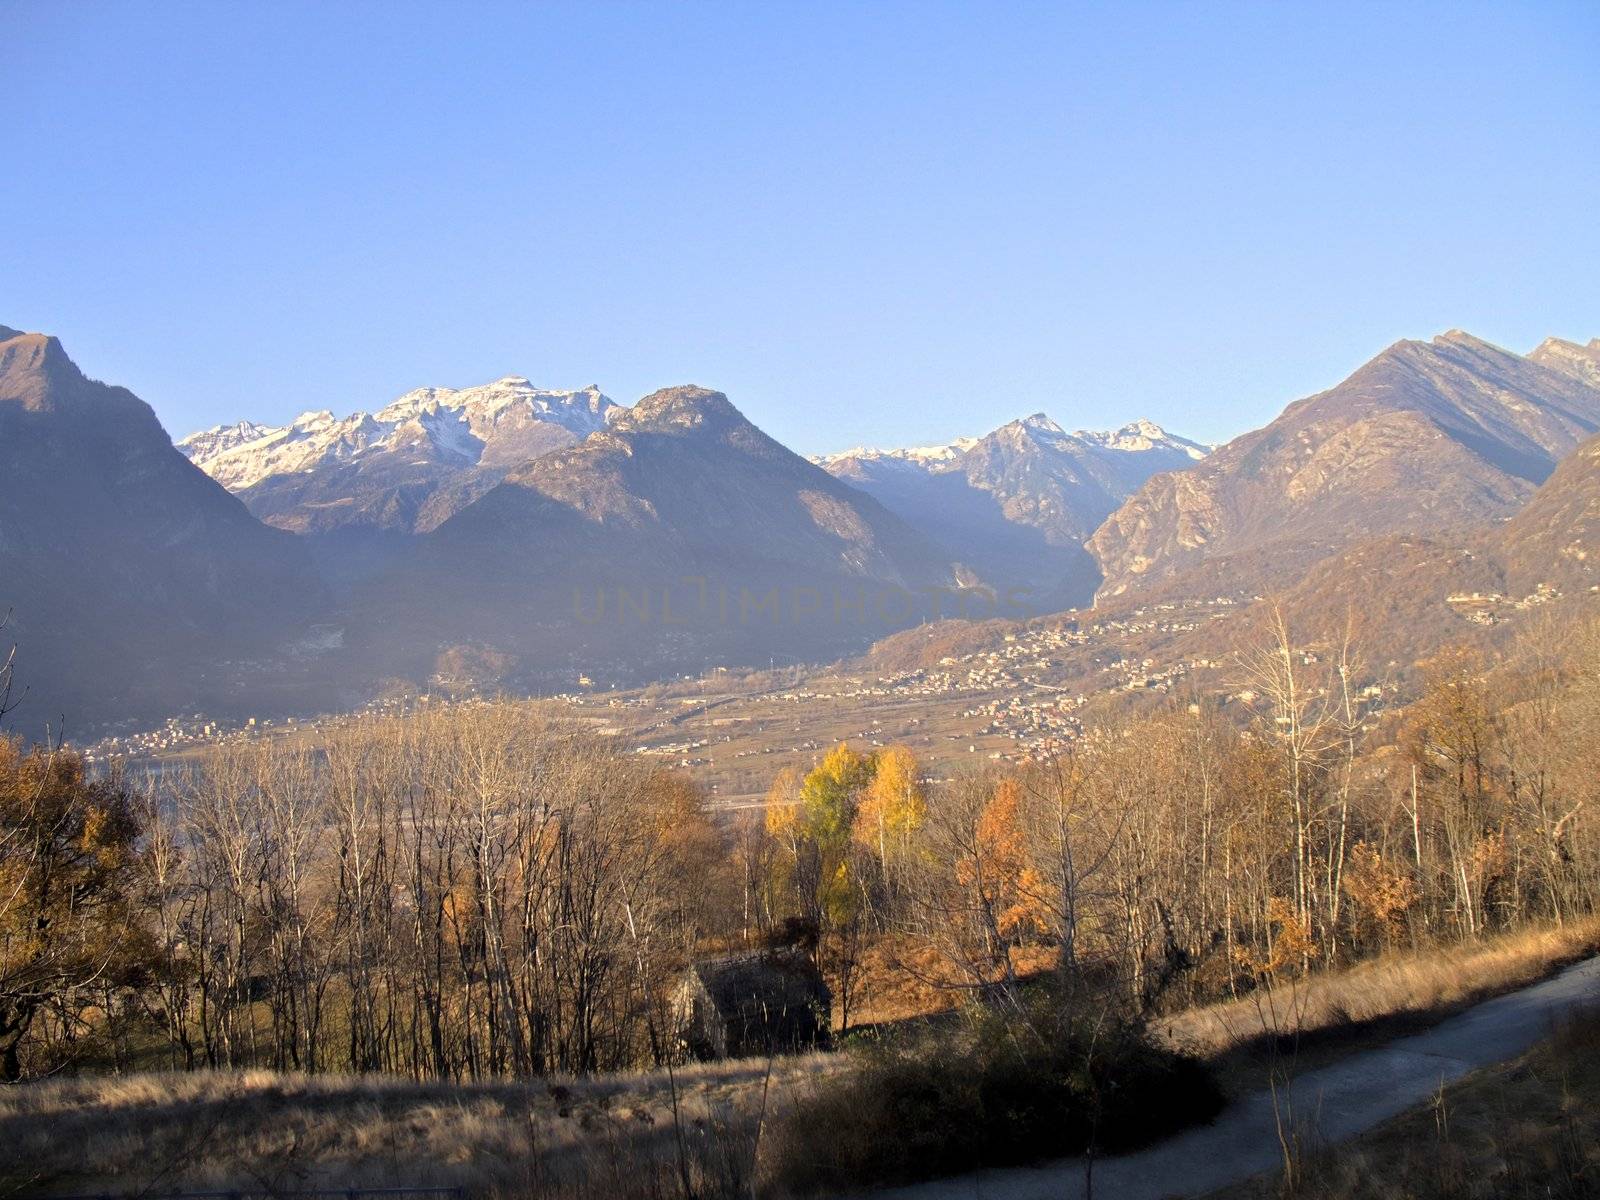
(481, 892)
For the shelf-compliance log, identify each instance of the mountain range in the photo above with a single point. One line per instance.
(1017, 504)
(680, 534)
(512, 536)
(408, 467)
(1007, 511)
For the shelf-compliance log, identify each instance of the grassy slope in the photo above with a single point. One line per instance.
(607, 1136)
(1299, 1025)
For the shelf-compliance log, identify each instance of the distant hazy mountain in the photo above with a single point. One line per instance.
(1015, 506)
(679, 494)
(1427, 437)
(405, 468)
(522, 537)
(128, 573)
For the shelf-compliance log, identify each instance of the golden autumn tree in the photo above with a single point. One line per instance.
(830, 796)
(1013, 881)
(781, 818)
(828, 802)
(893, 805)
(783, 806)
(972, 886)
(827, 880)
(1382, 894)
(810, 818)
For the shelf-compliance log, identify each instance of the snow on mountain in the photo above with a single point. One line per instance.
(1140, 437)
(213, 442)
(1016, 504)
(918, 455)
(441, 424)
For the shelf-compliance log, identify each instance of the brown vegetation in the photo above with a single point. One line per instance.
(616, 1135)
(478, 895)
(1329, 1014)
(628, 1135)
(447, 897)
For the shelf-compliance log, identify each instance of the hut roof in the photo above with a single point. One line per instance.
(773, 979)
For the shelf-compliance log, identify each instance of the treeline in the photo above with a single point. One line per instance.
(476, 892)
(1192, 853)
(455, 895)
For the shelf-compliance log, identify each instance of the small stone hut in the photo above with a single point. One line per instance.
(740, 1005)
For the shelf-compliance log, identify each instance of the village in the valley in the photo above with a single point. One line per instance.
(1013, 693)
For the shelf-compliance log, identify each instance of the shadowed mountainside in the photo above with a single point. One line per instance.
(128, 573)
(678, 535)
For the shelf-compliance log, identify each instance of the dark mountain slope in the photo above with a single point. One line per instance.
(679, 534)
(127, 571)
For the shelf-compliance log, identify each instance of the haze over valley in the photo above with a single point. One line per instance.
(746, 602)
(506, 538)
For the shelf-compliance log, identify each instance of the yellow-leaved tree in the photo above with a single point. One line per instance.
(782, 818)
(893, 806)
(830, 796)
(828, 886)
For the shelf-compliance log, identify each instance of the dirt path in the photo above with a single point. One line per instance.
(1334, 1103)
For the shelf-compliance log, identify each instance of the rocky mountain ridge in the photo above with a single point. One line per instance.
(523, 536)
(1016, 504)
(678, 534)
(1426, 437)
(406, 467)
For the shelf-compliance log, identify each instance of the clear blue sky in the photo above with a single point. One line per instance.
(866, 223)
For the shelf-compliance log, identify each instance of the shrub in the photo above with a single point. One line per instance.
(1006, 1086)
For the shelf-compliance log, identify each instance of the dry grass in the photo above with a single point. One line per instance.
(612, 1136)
(616, 1135)
(1324, 1016)
(1515, 1132)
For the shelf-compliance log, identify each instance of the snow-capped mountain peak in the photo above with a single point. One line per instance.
(219, 438)
(1142, 435)
(1136, 438)
(1018, 502)
(1040, 423)
(504, 421)
(924, 456)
